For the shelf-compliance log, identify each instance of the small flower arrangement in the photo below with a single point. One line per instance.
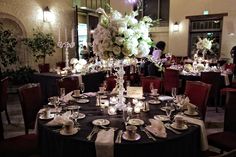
(118, 36)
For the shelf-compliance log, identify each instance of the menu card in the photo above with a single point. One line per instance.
(135, 92)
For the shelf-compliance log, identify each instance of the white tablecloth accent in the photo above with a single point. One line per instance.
(204, 142)
(104, 143)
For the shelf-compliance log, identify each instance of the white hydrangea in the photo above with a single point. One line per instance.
(122, 36)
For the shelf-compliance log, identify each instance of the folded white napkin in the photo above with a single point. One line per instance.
(204, 142)
(157, 128)
(104, 143)
(184, 102)
(67, 97)
(60, 120)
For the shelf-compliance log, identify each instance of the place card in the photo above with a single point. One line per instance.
(135, 92)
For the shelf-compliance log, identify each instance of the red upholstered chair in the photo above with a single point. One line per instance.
(69, 83)
(20, 146)
(226, 140)
(170, 80)
(212, 78)
(111, 83)
(198, 93)
(3, 97)
(146, 81)
(31, 101)
(229, 66)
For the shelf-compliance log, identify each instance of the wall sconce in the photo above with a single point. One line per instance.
(47, 14)
(176, 27)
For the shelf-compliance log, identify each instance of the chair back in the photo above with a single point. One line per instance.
(69, 83)
(230, 66)
(111, 83)
(31, 101)
(230, 112)
(198, 93)
(170, 80)
(3, 94)
(212, 78)
(146, 81)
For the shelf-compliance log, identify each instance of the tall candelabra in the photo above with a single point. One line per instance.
(67, 45)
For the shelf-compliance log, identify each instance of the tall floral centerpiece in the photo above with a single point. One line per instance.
(120, 36)
(203, 45)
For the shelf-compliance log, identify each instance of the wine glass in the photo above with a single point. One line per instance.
(169, 108)
(82, 88)
(173, 92)
(76, 115)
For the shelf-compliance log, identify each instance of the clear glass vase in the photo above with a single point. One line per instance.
(120, 72)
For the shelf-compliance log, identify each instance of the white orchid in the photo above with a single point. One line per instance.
(121, 36)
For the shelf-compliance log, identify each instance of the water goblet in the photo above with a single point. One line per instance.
(82, 88)
(173, 92)
(169, 108)
(76, 115)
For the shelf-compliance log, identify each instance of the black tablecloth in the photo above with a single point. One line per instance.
(53, 144)
(92, 81)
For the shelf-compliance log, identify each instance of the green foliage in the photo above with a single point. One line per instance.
(41, 44)
(7, 47)
(20, 76)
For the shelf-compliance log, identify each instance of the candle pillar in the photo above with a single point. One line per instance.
(59, 35)
(72, 35)
(66, 35)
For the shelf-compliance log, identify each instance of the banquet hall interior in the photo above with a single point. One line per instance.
(117, 78)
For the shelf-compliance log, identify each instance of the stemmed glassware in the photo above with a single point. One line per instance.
(76, 115)
(82, 88)
(169, 108)
(173, 92)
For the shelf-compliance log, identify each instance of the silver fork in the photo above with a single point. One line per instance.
(94, 131)
(147, 133)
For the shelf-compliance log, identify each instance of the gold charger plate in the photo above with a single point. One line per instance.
(191, 114)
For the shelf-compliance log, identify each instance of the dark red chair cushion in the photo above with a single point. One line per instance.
(111, 83)
(171, 79)
(225, 140)
(20, 146)
(146, 81)
(198, 93)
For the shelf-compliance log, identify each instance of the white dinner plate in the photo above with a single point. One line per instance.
(100, 122)
(161, 117)
(82, 101)
(174, 126)
(72, 107)
(135, 121)
(154, 102)
(42, 116)
(191, 114)
(126, 137)
(72, 132)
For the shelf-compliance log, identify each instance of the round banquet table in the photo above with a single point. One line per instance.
(53, 144)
